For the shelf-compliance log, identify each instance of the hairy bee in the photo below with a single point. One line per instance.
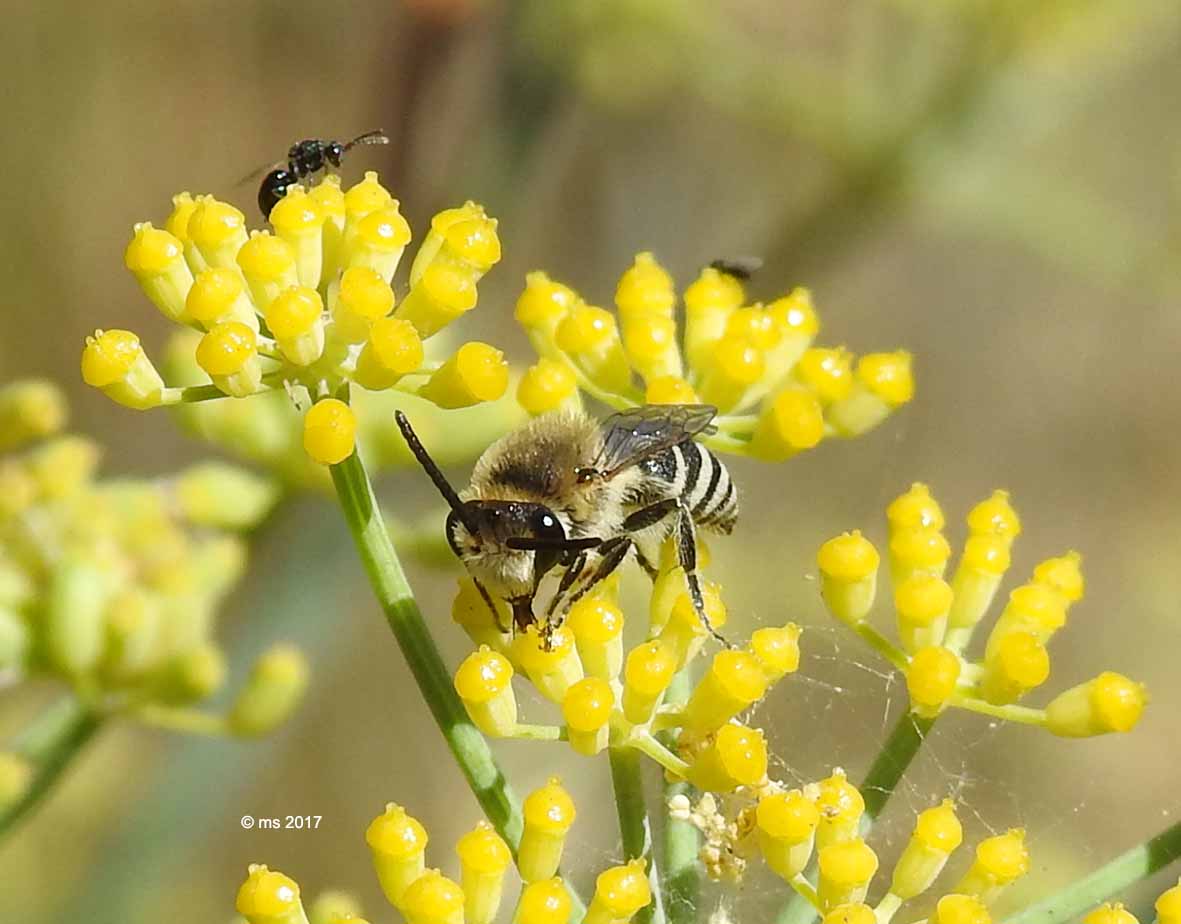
(573, 495)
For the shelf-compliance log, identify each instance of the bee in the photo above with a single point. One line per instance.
(574, 496)
(741, 268)
(303, 159)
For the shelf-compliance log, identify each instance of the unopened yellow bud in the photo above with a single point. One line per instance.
(1108, 913)
(219, 294)
(918, 551)
(549, 813)
(1108, 703)
(589, 335)
(977, 578)
(392, 350)
(960, 909)
(1000, 860)
(333, 906)
(587, 709)
(295, 317)
(156, 259)
(651, 345)
(845, 872)
(268, 265)
(440, 296)
(921, 603)
(883, 383)
(275, 686)
(365, 197)
(29, 410)
(464, 238)
(995, 516)
(547, 385)
(1168, 906)
(329, 431)
(735, 365)
(552, 669)
(177, 222)
(841, 807)
(736, 756)
(1019, 664)
(684, 632)
(1032, 608)
(63, 465)
(789, 423)
(228, 353)
(755, 324)
(709, 302)
(777, 649)
(543, 304)
(114, 361)
(734, 682)
(298, 220)
(931, 678)
(269, 897)
(72, 624)
(483, 859)
(217, 230)
(597, 626)
(848, 576)
(475, 373)
(197, 674)
(1063, 574)
(544, 902)
(648, 672)
(484, 683)
(786, 826)
(797, 324)
(376, 240)
(471, 611)
(398, 845)
(916, 509)
(669, 389)
(620, 892)
(645, 290)
(359, 299)
(936, 834)
(432, 898)
(850, 913)
(827, 372)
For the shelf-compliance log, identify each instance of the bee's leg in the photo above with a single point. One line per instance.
(613, 552)
(491, 607)
(569, 576)
(686, 534)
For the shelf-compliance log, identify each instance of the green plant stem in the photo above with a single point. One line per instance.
(635, 828)
(681, 845)
(1142, 860)
(50, 744)
(393, 592)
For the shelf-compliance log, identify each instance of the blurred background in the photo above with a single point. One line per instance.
(994, 185)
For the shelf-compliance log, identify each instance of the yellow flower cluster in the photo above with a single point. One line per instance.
(611, 696)
(936, 618)
(777, 393)
(397, 842)
(821, 824)
(1167, 906)
(307, 308)
(113, 585)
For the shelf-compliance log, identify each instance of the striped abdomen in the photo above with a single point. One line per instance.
(694, 474)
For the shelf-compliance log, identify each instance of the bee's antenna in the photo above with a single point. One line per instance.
(436, 475)
(377, 136)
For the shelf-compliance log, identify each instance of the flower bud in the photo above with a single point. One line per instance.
(734, 682)
(432, 898)
(1108, 703)
(1000, 860)
(357, 299)
(365, 198)
(228, 354)
(995, 517)
(177, 224)
(30, 410)
(652, 346)
(848, 576)
(376, 240)
(841, 807)
(978, 575)
(709, 302)
(549, 813)
(475, 373)
(484, 683)
(114, 361)
(736, 756)
(590, 337)
(597, 626)
(646, 675)
(295, 318)
(620, 892)
(551, 670)
(883, 383)
(777, 649)
(269, 897)
(845, 871)
(471, 611)
(547, 385)
(734, 367)
(786, 829)
(1019, 664)
(798, 325)
(275, 686)
(544, 902)
(827, 373)
(645, 290)
(1108, 913)
(483, 859)
(669, 389)
(223, 496)
(937, 833)
(917, 551)
(587, 709)
(268, 265)
(219, 294)
(1168, 906)
(789, 423)
(960, 909)
(298, 220)
(217, 230)
(398, 845)
(921, 604)
(1032, 608)
(931, 678)
(156, 258)
(329, 431)
(393, 350)
(541, 308)
(438, 298)
(685, 633)
(1064, 575)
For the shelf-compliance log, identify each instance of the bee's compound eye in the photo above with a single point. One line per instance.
(334, 151)
(547, 526)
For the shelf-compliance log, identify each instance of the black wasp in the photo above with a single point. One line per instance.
(739, 267)
(305, 158)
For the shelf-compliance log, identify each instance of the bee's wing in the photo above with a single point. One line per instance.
(257, 173)
(633, 435)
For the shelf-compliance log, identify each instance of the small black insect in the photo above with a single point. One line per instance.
(738, 267)
(305, 158)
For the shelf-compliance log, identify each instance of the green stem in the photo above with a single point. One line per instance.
(394, 594)
(681, 845)
(1142, 860)
(54, 739)
(635, 828)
